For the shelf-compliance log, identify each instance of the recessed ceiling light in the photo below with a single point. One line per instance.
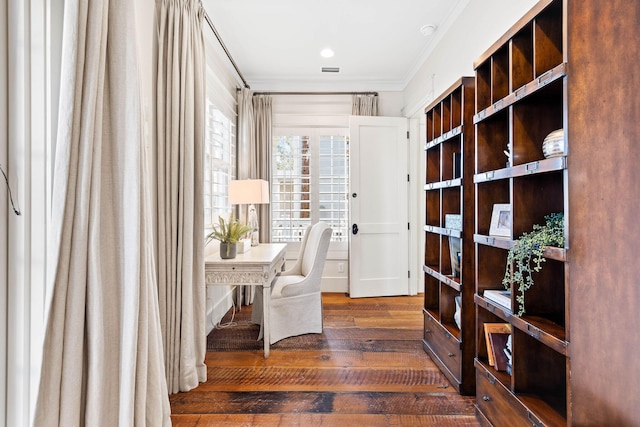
(428, 29)
(327, 53)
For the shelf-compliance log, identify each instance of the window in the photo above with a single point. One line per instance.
(219, 163)
(309, 183)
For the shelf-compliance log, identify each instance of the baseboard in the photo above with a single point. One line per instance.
(334, 284)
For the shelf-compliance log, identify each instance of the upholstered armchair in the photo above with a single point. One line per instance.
(296, 300)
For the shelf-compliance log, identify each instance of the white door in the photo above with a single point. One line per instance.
(378, 208)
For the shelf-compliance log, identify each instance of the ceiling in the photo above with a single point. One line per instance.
(378, 44)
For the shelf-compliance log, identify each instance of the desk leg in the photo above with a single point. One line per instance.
(266, 308)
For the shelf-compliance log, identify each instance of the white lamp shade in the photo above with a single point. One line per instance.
(248, 191)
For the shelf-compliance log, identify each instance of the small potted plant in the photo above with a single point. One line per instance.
(228, 233)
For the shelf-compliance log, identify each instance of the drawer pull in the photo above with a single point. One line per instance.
(451, 355)
(486, 398)
(447, 335)
(491, 378)
(535, 422)
(490, 240)
(532, 167)
(520, 92)
(544, 78)
(489, 175)
(533, 331)
(498, 105)
(427, 331)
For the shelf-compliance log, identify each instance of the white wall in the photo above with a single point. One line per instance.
(479, 25)
(477, 28)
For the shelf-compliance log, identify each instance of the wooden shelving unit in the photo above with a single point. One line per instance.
(449, 190)
(521, 98)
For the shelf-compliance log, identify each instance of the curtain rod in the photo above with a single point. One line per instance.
(224, 47)
(316, 93)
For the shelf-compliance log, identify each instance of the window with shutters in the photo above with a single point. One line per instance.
(309, 183)
(219, 163)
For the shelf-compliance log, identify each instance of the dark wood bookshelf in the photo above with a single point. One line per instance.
(520, 99)
(449, 146)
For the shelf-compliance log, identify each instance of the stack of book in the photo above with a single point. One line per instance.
(500, 297)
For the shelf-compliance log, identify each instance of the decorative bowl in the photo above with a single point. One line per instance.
(553, 144)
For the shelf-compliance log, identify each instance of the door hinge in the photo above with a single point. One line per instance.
(408, 226)
(409, 274)
(407, 134)
(408, 178)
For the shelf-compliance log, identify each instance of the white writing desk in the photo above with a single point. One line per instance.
(258, 267)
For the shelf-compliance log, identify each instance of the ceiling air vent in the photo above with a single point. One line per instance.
(330, 69)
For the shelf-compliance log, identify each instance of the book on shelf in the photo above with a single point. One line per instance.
(507, 352)
(499, 296)
(498, 344)
(494, 328)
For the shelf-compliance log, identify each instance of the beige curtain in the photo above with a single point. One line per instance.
(180, 232)
(364, 105)
(261, 155)
(245, 161)
(102, 354)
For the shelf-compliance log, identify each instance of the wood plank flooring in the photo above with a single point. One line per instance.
(366, 368)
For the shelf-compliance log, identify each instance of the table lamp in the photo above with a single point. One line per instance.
(250, 192)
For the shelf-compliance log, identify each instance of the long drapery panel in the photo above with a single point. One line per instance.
(102, 355)
(245, 163)
(180, 204)
(261, 155)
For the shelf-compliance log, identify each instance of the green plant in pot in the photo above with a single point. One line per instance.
(525, 256)
(228, 233)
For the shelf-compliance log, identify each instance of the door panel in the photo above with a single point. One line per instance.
(378, 253)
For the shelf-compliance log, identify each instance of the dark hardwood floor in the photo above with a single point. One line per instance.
(367, 368)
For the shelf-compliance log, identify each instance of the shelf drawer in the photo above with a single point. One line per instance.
(444, 345)
(498, 405)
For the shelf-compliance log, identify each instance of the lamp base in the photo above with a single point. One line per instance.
(253, 223)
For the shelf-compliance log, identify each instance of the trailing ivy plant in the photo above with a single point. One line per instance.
(526, 255)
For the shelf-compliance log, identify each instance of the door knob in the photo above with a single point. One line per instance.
(354, 228)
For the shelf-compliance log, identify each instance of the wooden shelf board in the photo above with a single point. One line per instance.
(550, 252)
(444, 137)
(496, 309)
(453, 330)
(448, 280)
(549, 333)
(551, 415)
(439, 185)
(443, 231)
(552, 164)
(496, 242)
(503, 377)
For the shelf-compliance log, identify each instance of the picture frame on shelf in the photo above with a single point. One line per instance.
(501, 220)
